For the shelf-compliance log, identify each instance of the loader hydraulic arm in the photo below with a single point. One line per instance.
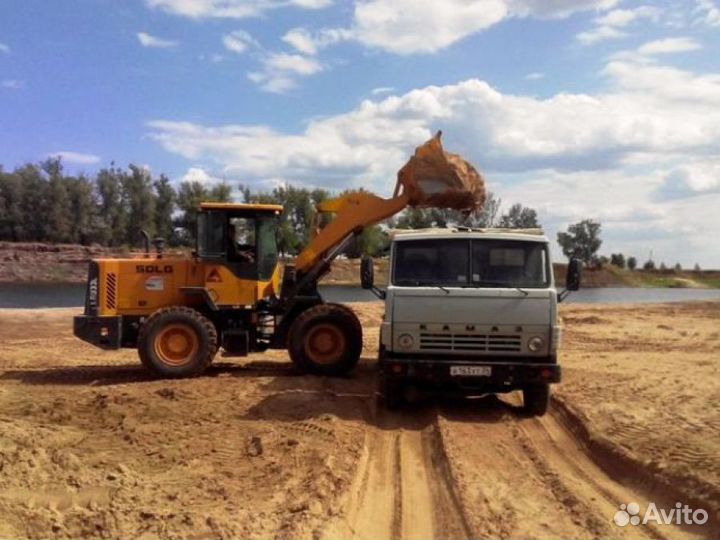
(353, 212)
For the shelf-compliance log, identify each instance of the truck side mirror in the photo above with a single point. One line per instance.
(572, 278)
(367, 272)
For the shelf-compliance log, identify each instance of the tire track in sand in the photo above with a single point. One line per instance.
(531, 477)
(401, 489)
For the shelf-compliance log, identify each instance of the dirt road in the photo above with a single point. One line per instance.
(90, 446)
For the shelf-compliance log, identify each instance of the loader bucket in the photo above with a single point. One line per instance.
(439, 179)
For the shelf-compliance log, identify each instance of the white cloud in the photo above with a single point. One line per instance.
(12, 84)
(301, 40)
(669, 46)
(146, 40)
(381, 90)
(426, 26)
(654, 110)
(310, 43)
(281, 70)
(198, 174)
(239, 41)
(534, 76)
(76, 158)
(697, 176)
(607, 154)
(4, 48)
(233, 9)
(708, 12)
(608, 25)
(558, 8)
(411, 26)
(601, 33)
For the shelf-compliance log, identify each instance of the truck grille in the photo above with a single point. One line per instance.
(470, 342)
(111, 290)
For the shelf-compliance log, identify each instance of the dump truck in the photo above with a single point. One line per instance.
(233, 292)
(469, 312)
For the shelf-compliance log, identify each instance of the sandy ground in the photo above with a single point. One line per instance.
(90, 446)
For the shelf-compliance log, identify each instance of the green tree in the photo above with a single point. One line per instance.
(111, 209)
(632, 263)
(11, 217)
(649, 265)
(582, 240)
(55, 206)
(617, 259)
(415, 218)
(677, 267)
(520, 217)
(189, 197)
(83, 206)
(34, 196)
(221, 192)
(138, 198)
(165, 203)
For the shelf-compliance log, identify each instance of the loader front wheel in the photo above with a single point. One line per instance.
(177, 342)
(325, 340)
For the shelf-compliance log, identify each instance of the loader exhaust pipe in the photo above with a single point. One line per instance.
(146, 239)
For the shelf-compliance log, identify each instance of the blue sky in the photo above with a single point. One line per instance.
(608, 109)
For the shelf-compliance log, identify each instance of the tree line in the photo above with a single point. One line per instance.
(41, 203)
(582, 240)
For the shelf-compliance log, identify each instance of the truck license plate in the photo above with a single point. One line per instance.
(470, 371)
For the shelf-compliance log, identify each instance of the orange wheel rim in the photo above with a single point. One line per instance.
(176, 344)
(325, 344)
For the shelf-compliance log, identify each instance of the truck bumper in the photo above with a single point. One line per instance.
(499, 376)
(103, 332)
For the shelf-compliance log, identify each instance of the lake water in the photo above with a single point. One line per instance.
(39, 295)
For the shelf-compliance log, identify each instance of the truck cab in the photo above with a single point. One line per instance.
(470, 312)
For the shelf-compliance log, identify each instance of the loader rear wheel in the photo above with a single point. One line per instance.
(177, 342)
(325, 340)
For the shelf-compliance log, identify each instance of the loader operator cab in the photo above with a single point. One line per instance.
(241, 236)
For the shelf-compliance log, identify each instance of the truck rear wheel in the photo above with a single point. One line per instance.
(325, 340)
(536, 399)
(177, 342)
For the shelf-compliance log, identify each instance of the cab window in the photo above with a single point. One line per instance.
(241, 240)
(210, 235)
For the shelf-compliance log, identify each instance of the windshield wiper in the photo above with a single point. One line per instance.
(418, 283)
(499, 284)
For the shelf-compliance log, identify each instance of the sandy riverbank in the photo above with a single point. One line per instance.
(90, 446)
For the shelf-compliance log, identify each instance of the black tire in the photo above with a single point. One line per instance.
(325, 340)
(536, 399)
(155, 349)
(391, 392)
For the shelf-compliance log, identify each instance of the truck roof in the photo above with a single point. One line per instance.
(528, 235)
(256, 207)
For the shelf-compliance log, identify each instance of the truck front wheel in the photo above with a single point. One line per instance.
(391, 392)
(325, 340)
(177, 342)
(536, 399)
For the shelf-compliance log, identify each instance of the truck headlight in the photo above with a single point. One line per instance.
(406, 341)
(535, 343)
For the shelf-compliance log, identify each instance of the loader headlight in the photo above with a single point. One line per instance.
(535, 343)
(406, 341)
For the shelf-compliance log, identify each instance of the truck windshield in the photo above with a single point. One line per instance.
(471, 263)
(509, 263)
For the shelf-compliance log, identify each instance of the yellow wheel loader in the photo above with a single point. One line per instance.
(178, 311)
